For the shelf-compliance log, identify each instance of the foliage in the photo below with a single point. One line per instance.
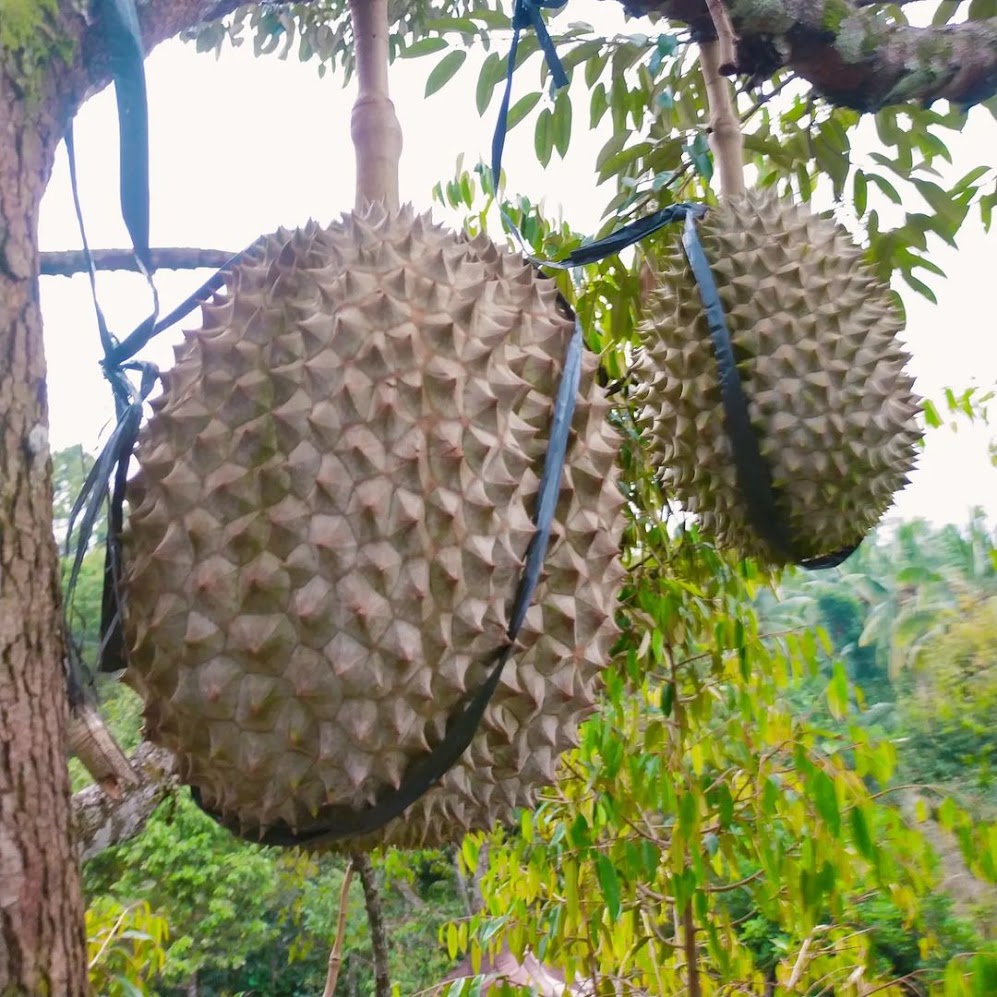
(125, 947)
(213, 891)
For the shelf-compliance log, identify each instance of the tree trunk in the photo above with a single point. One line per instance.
(42, 943)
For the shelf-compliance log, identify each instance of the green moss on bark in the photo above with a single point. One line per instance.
(30, 41)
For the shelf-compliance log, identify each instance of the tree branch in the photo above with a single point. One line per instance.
(849, 53)
(90, 740)
(101, 822)
(375, 917)
(65, 263)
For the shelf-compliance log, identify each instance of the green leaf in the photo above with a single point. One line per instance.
(860, 192)
(598, 106)
(702, 160)
(492, 71)
(825, 798)
(424, 46)
(543, 137)
(444, 71)
(522, 107)
(837, 692)
(610, 884)
(860, 833)
(561, 123)
(462, 25)
(919, 286)
(945, 11)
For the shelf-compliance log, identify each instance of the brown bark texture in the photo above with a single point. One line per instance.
(848, 51)
(66, 263)
(42, 943)
(100, 820)
(375, 919)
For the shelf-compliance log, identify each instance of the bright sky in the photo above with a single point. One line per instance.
(242, 145)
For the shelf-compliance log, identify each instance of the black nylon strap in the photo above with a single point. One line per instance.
(338, 822)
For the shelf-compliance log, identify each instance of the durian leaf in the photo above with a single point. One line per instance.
(561, 123)
(522, 107)
(609, 882)
(424, 46)
(444, 71)
(492, 72)
(543, 138)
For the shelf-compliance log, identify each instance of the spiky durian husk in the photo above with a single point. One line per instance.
(815, 338)
(331, 514)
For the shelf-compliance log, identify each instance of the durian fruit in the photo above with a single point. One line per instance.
(330, 520)
(815, 342)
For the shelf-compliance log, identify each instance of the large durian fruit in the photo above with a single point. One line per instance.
(330, 520)
(815, 342)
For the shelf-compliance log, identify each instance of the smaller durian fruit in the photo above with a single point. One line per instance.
(815, 341)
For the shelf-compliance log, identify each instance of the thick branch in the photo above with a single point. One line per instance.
(101, 822)
(65, 263)
(377, 135)
(849, 53)
(90, 740)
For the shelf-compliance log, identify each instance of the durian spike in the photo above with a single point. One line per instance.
(726, 140)
(377, 135)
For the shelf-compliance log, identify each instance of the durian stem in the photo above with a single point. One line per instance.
(377, 135)
(375, 917)
(726, 140)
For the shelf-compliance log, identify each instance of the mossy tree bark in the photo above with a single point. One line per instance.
(848, 52)
(42, 944)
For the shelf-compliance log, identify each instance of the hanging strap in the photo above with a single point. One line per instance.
(338, 822)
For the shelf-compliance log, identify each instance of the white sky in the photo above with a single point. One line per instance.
(242, 145)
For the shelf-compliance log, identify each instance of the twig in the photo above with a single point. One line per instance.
(695, 986)
(336, 955)
(110, 937)
(377, 135)
(69, 262)
(725, 131)
(375, 917)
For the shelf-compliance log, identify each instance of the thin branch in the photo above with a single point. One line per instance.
(695, 986)
(725, 130)
(375, 917)
(336, 955)
(68, 262)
